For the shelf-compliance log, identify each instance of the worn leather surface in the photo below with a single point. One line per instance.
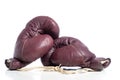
(35, 40)
(69, 51)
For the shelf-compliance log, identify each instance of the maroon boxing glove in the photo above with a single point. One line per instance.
(33, 42)
(69, 51)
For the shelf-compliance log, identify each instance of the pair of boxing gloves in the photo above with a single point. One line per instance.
(40, 39)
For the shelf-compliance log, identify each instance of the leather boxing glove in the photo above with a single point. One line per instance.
(33, 42)
(69, 51)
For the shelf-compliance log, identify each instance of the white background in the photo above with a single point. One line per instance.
(95, 22)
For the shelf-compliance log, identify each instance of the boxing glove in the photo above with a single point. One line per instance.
(34, 41)
(69, 51)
